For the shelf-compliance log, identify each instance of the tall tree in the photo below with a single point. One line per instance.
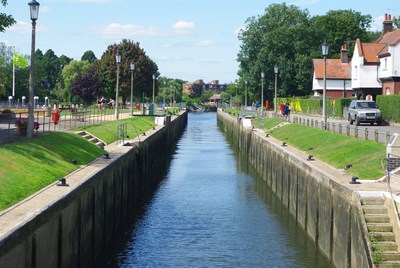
(106, 67)
(87, 86)
(277, 37)
(69, 74)
(5, 20)
(89, 56)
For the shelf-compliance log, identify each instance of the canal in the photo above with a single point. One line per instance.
(210, 210)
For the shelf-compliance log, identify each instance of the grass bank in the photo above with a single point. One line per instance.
(334, 149)
(30, 165)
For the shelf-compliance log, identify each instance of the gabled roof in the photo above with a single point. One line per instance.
(335, 69)
(380, 47)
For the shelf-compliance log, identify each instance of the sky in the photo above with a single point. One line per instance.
(187, 39)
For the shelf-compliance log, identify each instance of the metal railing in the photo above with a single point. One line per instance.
(125, 131)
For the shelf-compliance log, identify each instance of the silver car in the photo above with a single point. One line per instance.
(363, 111)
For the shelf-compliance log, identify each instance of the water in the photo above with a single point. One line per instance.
(209, 212)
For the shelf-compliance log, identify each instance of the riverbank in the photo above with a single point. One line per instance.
(69, 225)
(321, 198)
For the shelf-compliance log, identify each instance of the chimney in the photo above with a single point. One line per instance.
(387, 24)
(344, 54)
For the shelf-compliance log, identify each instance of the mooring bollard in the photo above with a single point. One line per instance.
(366, 134)
(356, 132)
(376, 135)
(348, 130)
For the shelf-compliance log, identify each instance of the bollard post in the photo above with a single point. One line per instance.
(348, 130)
(387, 137)
(376, 135)
(356, 132)
(366, 134)
(340, 128)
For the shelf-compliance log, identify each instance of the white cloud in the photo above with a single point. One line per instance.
(377, 23)
(304, 2)
(183, 27)
(239, 31)
(22, 27)
(205, 43)
(119, 31)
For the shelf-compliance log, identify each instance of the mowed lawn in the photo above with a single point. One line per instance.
(30, 165)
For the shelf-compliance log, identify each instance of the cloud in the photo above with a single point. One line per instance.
(377, 23)
(183, 27)
(22, 27)
(205, 43)
(119, 31)
(239, 31)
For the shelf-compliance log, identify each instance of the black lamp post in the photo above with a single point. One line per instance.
(118, 60)
(34, 9)
(132, 68)
(154, 85)
(245, 95)
(276, 70)
(325, 48)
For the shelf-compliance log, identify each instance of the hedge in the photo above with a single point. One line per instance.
(334, 108)
(389, 106)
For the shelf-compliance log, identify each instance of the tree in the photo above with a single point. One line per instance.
(5, 20)
(87, 86)
(69, 74)
(106, 67)
(340, 27)
(277, 37)
(89, 56)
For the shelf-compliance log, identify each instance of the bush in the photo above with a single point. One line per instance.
(389, 106)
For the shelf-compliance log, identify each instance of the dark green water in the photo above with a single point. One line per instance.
(209, 211)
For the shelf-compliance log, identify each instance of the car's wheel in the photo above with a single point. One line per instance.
(357, 121)
(350, 121)
(379, 123)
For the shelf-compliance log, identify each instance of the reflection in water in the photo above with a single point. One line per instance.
(209, 212)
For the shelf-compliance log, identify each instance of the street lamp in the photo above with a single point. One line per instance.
(154, 85)
(325, 48)
(262, 91)
(118, 60)
(132, 68)
(34, 8)
(236, 103)
(164, 91)
(276, 70)
(245, 95)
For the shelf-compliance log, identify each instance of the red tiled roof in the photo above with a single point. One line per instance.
(335, 69)
(370, 50)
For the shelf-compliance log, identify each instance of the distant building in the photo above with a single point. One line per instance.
(374, 68)
(194, 89)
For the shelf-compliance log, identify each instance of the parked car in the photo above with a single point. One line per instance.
(363, 111)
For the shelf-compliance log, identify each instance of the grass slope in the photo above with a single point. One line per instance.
(31, 165)
(335, 149)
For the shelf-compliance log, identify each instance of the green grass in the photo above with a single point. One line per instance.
(335, 149)
(107, 131)
(31, 165)
(272, 122)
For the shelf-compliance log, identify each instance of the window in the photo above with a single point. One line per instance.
(388, 91)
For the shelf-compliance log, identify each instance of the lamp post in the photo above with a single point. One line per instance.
(164, 91)
(118, 60)
(236, 103)
(276, 70)
(245, 95)
(132, 68)
(325, 48)
(34, 10)
(154, 85)
(262, 92)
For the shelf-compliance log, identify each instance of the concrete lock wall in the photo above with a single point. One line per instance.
(69, 226)
(326, 210)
